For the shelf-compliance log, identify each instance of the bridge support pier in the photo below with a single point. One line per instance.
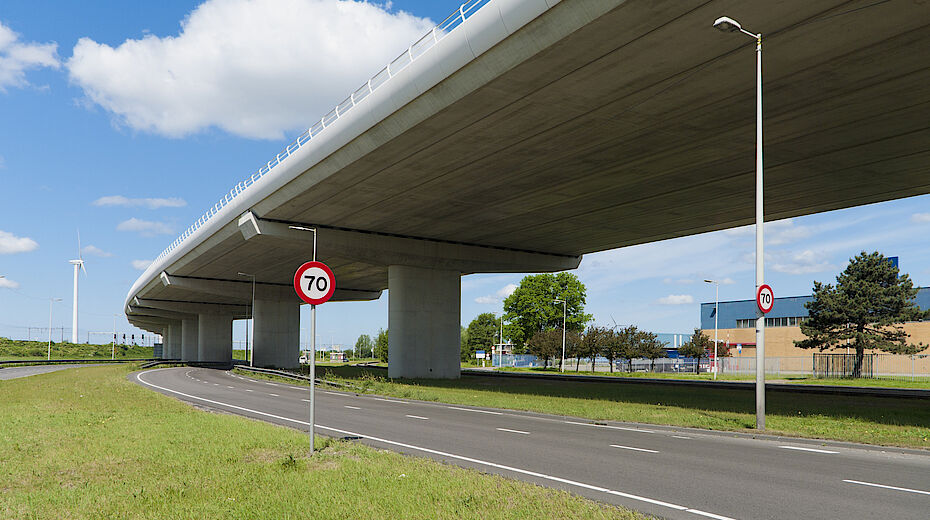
(214, 338)
(171, 341)
(276, 334)
(189, 333)
(424, 315)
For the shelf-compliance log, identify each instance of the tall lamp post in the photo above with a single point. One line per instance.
(716, 310)
(564, 314)
(250, 353)
(50, 302)
(727, 24)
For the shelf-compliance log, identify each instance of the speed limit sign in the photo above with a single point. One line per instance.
(765, 298)
(314, 282)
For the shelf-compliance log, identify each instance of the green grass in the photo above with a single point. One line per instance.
(89, 444)
(13, 350)
(871, 420)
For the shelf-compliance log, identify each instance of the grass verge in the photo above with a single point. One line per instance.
(88, 443)
(12, 350)
(871, 420)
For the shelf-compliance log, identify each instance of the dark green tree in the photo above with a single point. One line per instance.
(381, 346)
(651, 348)
(614, 344)
(628, 345)
(867, 306)
(572, 345)
(546, 345)
(592, 343)
(364, 346)
(481, 334)
(530, 309)
(696, 348)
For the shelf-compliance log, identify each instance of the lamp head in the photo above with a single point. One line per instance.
(727, 24)
(710, 281)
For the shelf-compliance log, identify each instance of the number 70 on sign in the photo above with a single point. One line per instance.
(314, 282)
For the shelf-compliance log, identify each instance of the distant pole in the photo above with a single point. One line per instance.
(564, 315)
(716, 312)
(113, 343)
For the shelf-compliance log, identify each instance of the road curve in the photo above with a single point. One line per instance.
(670, 472)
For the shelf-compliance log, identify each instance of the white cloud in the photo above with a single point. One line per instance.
(254, 68)
(95, 251)
(727, 281)
(804, 262)
(499, 296)
(141, 265)
(917, 218)
(17, 57)
(151, 203)
(6, 283)
(676, 299)
(146, 228)
(11, 244)
(678, 281)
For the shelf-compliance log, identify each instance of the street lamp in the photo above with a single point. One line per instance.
(50, 302)
(727, 24)
(250, 353)
(716, 304)
(564, 314)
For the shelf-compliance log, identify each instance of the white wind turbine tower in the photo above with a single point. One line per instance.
(79, 263)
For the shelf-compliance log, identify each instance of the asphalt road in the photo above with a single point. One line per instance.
(31, 370)
(668, 472)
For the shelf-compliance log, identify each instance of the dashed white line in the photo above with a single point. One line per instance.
(249, 390)
(474, 410)
(512, 431)
(632, 448)
(334, 393)
(272, 384)
(305, 400)
(352, 407)
(895, 488)
(448, 455)
(274, 395)
(227, 386)
(388, 400)
(807, 449)
(680, 437)
(610, 427)
(418, 417)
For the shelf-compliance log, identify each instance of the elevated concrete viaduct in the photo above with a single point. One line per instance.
(525, 133)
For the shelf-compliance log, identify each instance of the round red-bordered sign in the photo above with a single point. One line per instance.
(314, 283)
(765, 298)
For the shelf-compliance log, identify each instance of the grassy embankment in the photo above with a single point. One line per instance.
(872, 420)
(14, 350)
(88, 443)
(921, 382)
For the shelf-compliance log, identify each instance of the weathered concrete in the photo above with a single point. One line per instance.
(214, 338)
(171, 340)
(424, 309)
(189, 336)
(277, 334)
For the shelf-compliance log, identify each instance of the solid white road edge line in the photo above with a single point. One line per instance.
(418, 417)
(448, 455)
(352, 407)
(808, 449)
(473, 410)
(512, 431)
(888, 487)
(274, 395)
(632, 448)
(610, 427)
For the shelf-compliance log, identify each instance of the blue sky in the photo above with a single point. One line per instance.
(128, 120)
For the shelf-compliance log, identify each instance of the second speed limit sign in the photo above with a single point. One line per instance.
(765, 298)
(314, 282)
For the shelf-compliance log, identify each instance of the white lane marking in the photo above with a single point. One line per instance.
(888, 487)
(227, 386)
(272, 384)
(680, 437)
(352, 407)
(512, 431)
(274, 395)
(443, 453)
(610, 427)
(249, 390)
(418, 417)
(632, 448)
(305, 400)
(334, 393)
(388, 400)
(807, 449)
(474, 410)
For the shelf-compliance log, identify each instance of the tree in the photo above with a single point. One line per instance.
(628, 345)
(546, 345)
(870, 301)
(696, 347)
(531, 308)
(592, 342)
(381, 345)
(363, 345)
(651, 348)
(611, 343)
(572, 346)
(481, 334)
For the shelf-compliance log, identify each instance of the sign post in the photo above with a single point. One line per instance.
(314, 283)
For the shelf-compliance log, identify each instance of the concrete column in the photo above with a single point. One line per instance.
(189, 332)
(171, 341)
(214, 338)
(277, 334)
(424, 312)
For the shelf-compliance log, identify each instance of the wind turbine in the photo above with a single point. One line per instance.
(79, 263)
